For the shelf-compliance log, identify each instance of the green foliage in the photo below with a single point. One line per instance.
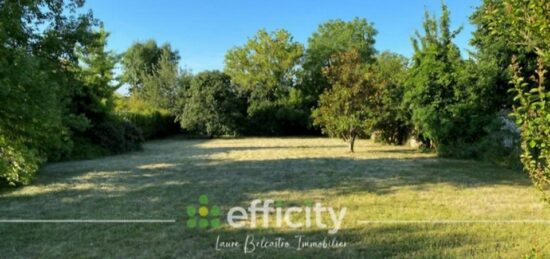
(18, 164)
(392, 120)
(435, 92)
(161, 87)
(116, 136)
(333, 37)
(496, 46)
(501, 144)
(57, 85)
(533, 116)
(346, 110)
(213, 106)
(153, 123)
(96, 73)
(524, 24)
(142, 59)
(37, 62)
(265, 70)
(266, 66)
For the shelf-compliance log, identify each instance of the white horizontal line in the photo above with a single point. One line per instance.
(87, 221)
(525, 221)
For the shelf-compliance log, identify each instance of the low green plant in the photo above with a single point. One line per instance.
(18, 163)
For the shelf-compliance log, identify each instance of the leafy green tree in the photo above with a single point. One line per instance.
(332, 37)
(37, 42)
(525, 26)
(392, 120)
(142, 59)
(265, 70)
(347, 109)
(213, 106)
(93, 98)
(161, 87)
(434, 93)
(494, 53)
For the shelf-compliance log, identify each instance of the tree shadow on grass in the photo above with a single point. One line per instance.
(175, 240)
(161, 180)
(180, 163)
(167, 176)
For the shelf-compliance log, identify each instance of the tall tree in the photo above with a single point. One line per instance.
(434, 94)
(347, 109)
(494, 54)
(142, 59)
(266, 65)
(392, 119)
(161, 88)
(213, 106)
(96, 72)
(37, 42)
(332, 37)
(265, 69)
(524, 25)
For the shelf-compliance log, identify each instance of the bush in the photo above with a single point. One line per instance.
(18, 164)
(116, 135)
(153, 125)
(499, 144)
(276, 119)
(213, 106)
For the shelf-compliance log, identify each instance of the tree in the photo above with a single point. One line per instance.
(161, 87)
(265, 70)
(93, 99)
(434, 94)
(346, 110)
(37, 42)
(142, 59)
(213, 106)
(494, 54)
(524, 25)
(333, 37)
(392, 120)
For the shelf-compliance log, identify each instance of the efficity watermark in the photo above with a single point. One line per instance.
(299, 242)
(267, 213)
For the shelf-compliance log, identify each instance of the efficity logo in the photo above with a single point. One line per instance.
(202, 216)
(267, 213)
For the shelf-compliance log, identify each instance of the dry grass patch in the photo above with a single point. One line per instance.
(378, 182)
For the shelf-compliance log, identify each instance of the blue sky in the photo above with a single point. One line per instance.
(204, 30)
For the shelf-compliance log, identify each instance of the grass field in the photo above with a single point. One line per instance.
(378, 183)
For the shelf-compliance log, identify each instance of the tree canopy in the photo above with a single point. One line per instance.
(333, 37)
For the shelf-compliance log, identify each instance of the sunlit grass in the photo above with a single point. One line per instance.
(378, 182)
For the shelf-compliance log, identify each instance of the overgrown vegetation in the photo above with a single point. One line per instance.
(56, 87)
(527, 28)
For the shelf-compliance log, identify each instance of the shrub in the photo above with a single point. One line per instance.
(213, 106)
(499, 144)
(116, 135)
(153, 125)
(18, 164)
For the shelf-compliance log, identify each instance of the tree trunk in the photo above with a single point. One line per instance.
(352, 144)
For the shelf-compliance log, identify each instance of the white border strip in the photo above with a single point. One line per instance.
(525, 221)
(87, 221)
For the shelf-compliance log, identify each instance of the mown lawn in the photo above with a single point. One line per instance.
(377, 183)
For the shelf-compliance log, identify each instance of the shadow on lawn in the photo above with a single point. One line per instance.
(170, 175)
(168, 171)
(175, 241)
(179, 163)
